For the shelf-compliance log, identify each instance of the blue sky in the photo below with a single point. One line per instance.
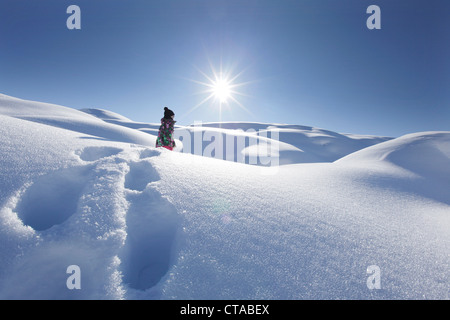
(305, 62)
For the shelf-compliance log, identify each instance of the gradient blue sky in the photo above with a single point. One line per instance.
(308, 62)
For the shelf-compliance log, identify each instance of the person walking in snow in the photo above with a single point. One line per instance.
(165, 135)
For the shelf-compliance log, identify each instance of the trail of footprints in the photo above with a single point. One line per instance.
(151, 220)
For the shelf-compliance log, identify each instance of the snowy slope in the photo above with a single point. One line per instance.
(426, 154)
(70, 119)
(145, 223)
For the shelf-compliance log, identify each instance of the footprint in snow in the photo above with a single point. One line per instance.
(140, 175)
(151, 221)
(96, 153)
(148, 153)
(152, 224)
(52, 198)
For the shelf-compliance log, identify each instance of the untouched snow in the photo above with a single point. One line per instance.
(88, 188)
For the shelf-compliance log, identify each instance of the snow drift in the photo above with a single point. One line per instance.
(88, 188)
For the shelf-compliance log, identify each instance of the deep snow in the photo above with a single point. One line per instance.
(88, 188)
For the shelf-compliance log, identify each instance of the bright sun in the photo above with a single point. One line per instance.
(222, 89)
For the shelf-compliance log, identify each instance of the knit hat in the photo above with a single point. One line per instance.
(168, 113)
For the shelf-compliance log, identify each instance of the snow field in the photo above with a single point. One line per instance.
(145, 223)
(309, 232)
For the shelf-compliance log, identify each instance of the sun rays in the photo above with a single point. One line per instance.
(221, 88)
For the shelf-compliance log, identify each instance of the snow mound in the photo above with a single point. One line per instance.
(71, 119)
(424, 153)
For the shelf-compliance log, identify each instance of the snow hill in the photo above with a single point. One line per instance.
(88, 188)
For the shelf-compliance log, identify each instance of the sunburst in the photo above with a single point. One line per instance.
(221, 88)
